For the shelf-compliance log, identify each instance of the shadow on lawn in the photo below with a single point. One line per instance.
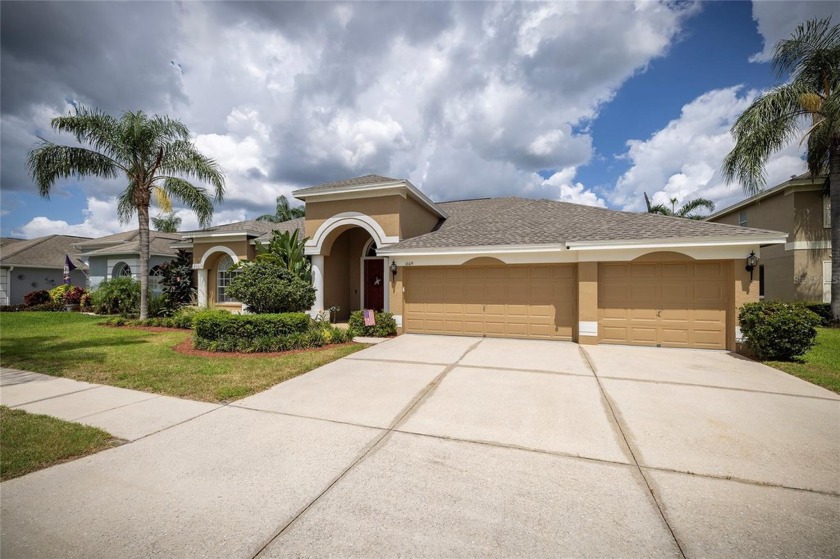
(55, 354)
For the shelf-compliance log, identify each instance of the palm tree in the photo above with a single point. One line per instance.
(810, 60)
(286, 249)
(153, 153)
(686, 211)
(167, 223)
(284, 212)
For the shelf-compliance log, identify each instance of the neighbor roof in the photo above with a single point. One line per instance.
(519, 221)
(128, 242)
(41, 252)
(254, 228)
(805, 179)
(290, 226)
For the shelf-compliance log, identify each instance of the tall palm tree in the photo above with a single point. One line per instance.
(810, 60)
(283, 212)
(167, 223)
(686, 211)
(155, 154)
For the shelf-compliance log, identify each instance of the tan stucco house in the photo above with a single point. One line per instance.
(507, 267)
(799, 269)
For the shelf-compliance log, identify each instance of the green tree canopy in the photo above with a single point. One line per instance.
(283, 212)
(687, 210)
(155, 155)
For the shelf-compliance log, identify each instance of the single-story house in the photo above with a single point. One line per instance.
(36, 264)
(118, 255)
(799, 269)
(507, 267)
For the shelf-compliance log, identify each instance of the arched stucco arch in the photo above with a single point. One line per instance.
(213, 250)
(201, 269)
(343, 221)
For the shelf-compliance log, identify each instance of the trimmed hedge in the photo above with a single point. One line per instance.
(45, 307)
(250, 332)
(385, 325)
(182, 319)
(778, 331)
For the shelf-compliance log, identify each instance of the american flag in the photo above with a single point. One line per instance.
(370, 320)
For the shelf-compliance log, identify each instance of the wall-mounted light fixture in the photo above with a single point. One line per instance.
(752, 262)
(393, 268)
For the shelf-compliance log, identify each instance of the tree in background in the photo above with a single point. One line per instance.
(176, 279)
(167, 223)
(687, 210)
(153, 153)
(283, 212)
(810, 61)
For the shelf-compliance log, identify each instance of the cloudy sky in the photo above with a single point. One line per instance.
(586, 102)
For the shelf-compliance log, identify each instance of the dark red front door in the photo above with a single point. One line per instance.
(375, 284)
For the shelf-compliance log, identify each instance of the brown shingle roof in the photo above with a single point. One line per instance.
(251, 226)
(346, 183)
(47, 252)
(159, 244)
(519, 221)
(291, 225)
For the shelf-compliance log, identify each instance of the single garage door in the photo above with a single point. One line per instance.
(501, 301)
(668, 304)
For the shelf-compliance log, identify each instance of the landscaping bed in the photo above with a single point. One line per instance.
(30, 442)
(78, 346)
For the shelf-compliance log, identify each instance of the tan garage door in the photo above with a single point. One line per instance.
(672, 304)
(500, 301)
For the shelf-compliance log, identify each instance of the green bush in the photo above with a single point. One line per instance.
(44, 307)
(267, 288)
(176, 280)
(778, 331)
(242, 332)
(159, 305)
(117, 296)
(385, 325)
(823, 310)
(57, 293)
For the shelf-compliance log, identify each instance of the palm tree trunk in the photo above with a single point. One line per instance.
(834, 194)
(143, 216)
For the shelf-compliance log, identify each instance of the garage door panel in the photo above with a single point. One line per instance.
(680, 304)
(516, 301)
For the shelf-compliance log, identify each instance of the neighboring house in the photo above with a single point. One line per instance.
(507, 267)
(799, 269)
(36, 264)
(118, 255)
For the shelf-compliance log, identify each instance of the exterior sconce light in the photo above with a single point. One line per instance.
(393, 268)
(752, 262)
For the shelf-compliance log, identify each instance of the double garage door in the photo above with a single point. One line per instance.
(502, 301)
(679, 304)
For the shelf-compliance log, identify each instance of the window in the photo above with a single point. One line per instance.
(371, 251)
(223, 279)
(742, 218)
(826, 212)
(761, 281)
(121, 270)
(155, 276)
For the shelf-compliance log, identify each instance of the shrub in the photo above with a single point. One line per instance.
(117, 296)
(73, 296)
(176, 279)
(14, 308)
(36, 297)
(778, 331)
(85, 301)
(268, 288)
(385, 325)
(159, 305)
(49, 307)
(57, 293)
(220, 331)
(823, 310)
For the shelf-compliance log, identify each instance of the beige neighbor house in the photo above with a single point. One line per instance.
(799, 269)
(506, 267)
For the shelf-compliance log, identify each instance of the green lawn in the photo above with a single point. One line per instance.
(77, 346)
(821, 365)
(32, 442)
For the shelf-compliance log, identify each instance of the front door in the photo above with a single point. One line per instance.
(375, 284)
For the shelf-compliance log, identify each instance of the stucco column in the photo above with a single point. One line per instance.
(587, 303)
(318, 283)
(202, 287)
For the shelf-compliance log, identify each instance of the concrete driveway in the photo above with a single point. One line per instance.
(451, 446)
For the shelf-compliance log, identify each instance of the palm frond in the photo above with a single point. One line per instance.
(194, 197)
(765, 127)
(98, 130)
(811, 55)
(161, 199)
(661, 209)
(127, 202)
(181, 158)
(48, 162)
(688, 208)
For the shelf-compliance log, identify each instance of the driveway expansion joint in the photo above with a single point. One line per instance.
(151, 397)
(372, 446)
(514, 370)
(56, 396)
(657, 504)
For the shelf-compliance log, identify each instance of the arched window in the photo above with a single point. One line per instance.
(371, 251)
(224, 275)
(155, 276)
(121, 270)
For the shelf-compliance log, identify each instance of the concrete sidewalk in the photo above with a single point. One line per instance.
(127, 414)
